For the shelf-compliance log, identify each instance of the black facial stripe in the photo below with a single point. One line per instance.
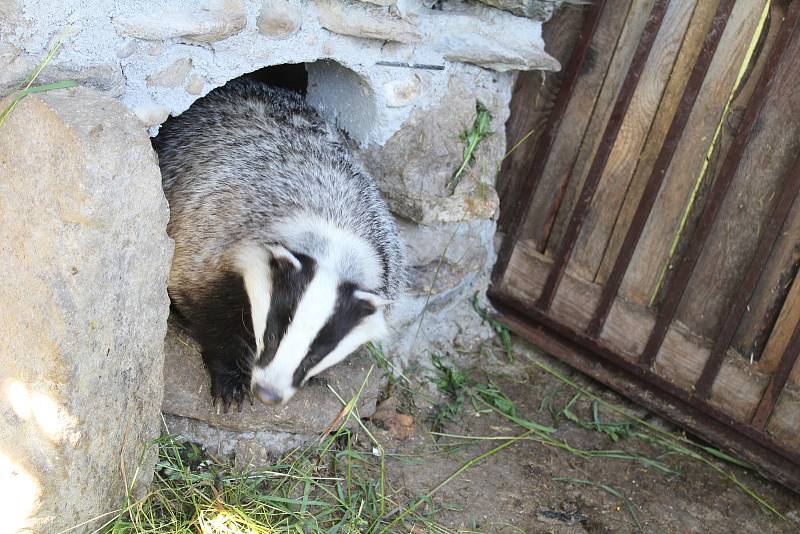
(348, 313)
(288, 286)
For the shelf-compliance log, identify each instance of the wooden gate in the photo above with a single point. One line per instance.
(653, 231)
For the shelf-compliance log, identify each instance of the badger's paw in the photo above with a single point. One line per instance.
(230, 389)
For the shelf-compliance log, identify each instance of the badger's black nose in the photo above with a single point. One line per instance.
(267, 395)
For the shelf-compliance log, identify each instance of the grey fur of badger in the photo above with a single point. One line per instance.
(286, 258)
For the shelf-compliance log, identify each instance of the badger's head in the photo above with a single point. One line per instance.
(309, 313)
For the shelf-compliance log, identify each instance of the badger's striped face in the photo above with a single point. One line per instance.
(305, 319)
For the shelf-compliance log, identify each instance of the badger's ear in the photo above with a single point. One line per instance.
(373, 298)
(280, 252)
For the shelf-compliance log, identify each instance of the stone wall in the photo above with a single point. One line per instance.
(448, 232)
(403, 78)
(158, 56)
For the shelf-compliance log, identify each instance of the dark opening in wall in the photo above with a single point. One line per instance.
(289, 76)
(343, 97)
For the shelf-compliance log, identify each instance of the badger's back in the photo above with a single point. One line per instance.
(250, 160)
(286, 257)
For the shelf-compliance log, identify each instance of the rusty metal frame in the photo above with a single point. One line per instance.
(609, 138)
(662, 163)
(636, 378)
(523, 198)
(780, 211)
(777, 382)
(679, 281)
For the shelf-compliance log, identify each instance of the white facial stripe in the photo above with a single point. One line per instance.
(345, 249)
(280, 252)
(252, 263)
(313, 311)
(372, 328)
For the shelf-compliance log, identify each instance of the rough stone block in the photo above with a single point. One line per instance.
(533, 9)
(309, 412)
(442, 256)
(279, 19)
(490, 38)
(414, 168)
(213, 20)
(172, 75)
(85, 257)
(367, 21)
(248, 449)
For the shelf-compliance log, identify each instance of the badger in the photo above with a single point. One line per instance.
(286, 258)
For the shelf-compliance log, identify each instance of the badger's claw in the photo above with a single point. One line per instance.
(229, 389)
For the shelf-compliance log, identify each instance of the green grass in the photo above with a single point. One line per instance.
(332, 485)
(339, 482)
(481, 129)
(635, 428)
(499, 330)
(460, 389)
(27, 88)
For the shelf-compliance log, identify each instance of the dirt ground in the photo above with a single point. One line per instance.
(517, 489)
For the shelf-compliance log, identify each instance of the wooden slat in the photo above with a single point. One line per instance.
(788, 320)
(589, 92)
(609, 137)
(777, 381)
(736, 306)
(682, 355)
(772, 292)
(518, 205)
(690, 49)
(559, 211)
(531, 103)
(665, 154)
(622, 161)
(781, 267)
(758, 184)
(709, 216)
(532, 100)
(643, 277)
(784, 425)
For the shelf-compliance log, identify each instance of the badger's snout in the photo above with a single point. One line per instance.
(267, 394)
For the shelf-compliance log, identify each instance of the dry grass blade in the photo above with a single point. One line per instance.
(27, 88)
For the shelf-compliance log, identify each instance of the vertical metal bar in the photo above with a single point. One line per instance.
(524, 197)
(780, 211)
(654, 182)
(777, 382)
(603, 151)
(680, 280)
